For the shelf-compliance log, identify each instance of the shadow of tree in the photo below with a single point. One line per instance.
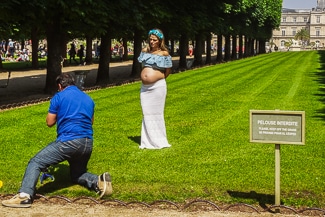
(262, 199)
(321, 80)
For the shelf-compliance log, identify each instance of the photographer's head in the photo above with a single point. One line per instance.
(64, 80)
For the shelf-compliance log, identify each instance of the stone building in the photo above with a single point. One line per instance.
(293, 20)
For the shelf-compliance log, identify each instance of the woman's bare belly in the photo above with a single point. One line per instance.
(150, 75)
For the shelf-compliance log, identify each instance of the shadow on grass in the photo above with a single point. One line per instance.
(321, 80)
(136, 139)
(61, 173)
(262, 199)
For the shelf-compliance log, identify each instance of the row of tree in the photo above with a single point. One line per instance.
(59, 21)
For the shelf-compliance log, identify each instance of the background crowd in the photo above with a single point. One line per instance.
(14, 51)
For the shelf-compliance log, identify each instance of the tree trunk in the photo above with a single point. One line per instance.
(136, 66)
(89, 50)
(104, 60)
(63, 47)
(172, 48)
(261, 44)
(198, 50)
(183, 51)
(35, 40)
(227, 48)
(247, 47)
(125, 46)
(234, 47)
(252, 42)
(208, 49)
(240, 51)
(54, 44)
(219, 49)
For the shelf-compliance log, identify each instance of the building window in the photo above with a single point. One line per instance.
(283, 32)
(282, 43)
(305, 19)
(317, 32)
(295, 19)
(284, 19)
(318, 19)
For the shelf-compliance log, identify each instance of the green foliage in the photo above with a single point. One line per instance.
(254, 18)
(302, 35)
(207, 120)
(288, 43)
(87, 17)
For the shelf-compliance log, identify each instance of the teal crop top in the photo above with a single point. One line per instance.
(155, 61)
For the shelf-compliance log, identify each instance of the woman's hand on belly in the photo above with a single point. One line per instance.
(150, 75)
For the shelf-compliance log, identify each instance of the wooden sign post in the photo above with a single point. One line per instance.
(277, 127)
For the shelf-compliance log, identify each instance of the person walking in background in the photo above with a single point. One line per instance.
(72, 53)
(11, 48)
(156, 67)
(121, 51)
(3, 48)
(190, 50)
(73, 112)
(96, 49)
(81, 54)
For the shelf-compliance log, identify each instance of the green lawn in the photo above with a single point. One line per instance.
(207, 120)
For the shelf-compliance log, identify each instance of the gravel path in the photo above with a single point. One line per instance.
(70, 210)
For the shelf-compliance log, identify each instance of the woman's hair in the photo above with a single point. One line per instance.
(159, 34)
(65, 80)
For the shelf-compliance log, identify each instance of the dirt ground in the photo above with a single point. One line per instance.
(41, 208)
(71, 210)
(28, 85)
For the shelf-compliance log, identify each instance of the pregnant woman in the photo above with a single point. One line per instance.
(156, 66)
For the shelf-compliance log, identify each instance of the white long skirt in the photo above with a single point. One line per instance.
(153, 132)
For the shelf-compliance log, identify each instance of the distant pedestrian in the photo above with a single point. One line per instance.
(11, 48)
(3, 47)
(121, 52)
(81, 54)
(72, 53)
(96, 49)
(190, 50)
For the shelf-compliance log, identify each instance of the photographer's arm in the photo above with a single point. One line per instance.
(50, 119)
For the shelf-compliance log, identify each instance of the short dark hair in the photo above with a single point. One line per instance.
(65, 80)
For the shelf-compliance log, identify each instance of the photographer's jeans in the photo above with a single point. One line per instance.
(77, 152)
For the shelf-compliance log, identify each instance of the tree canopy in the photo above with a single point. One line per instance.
(184, 20)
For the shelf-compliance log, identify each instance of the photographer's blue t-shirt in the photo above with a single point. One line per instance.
(74, 110)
